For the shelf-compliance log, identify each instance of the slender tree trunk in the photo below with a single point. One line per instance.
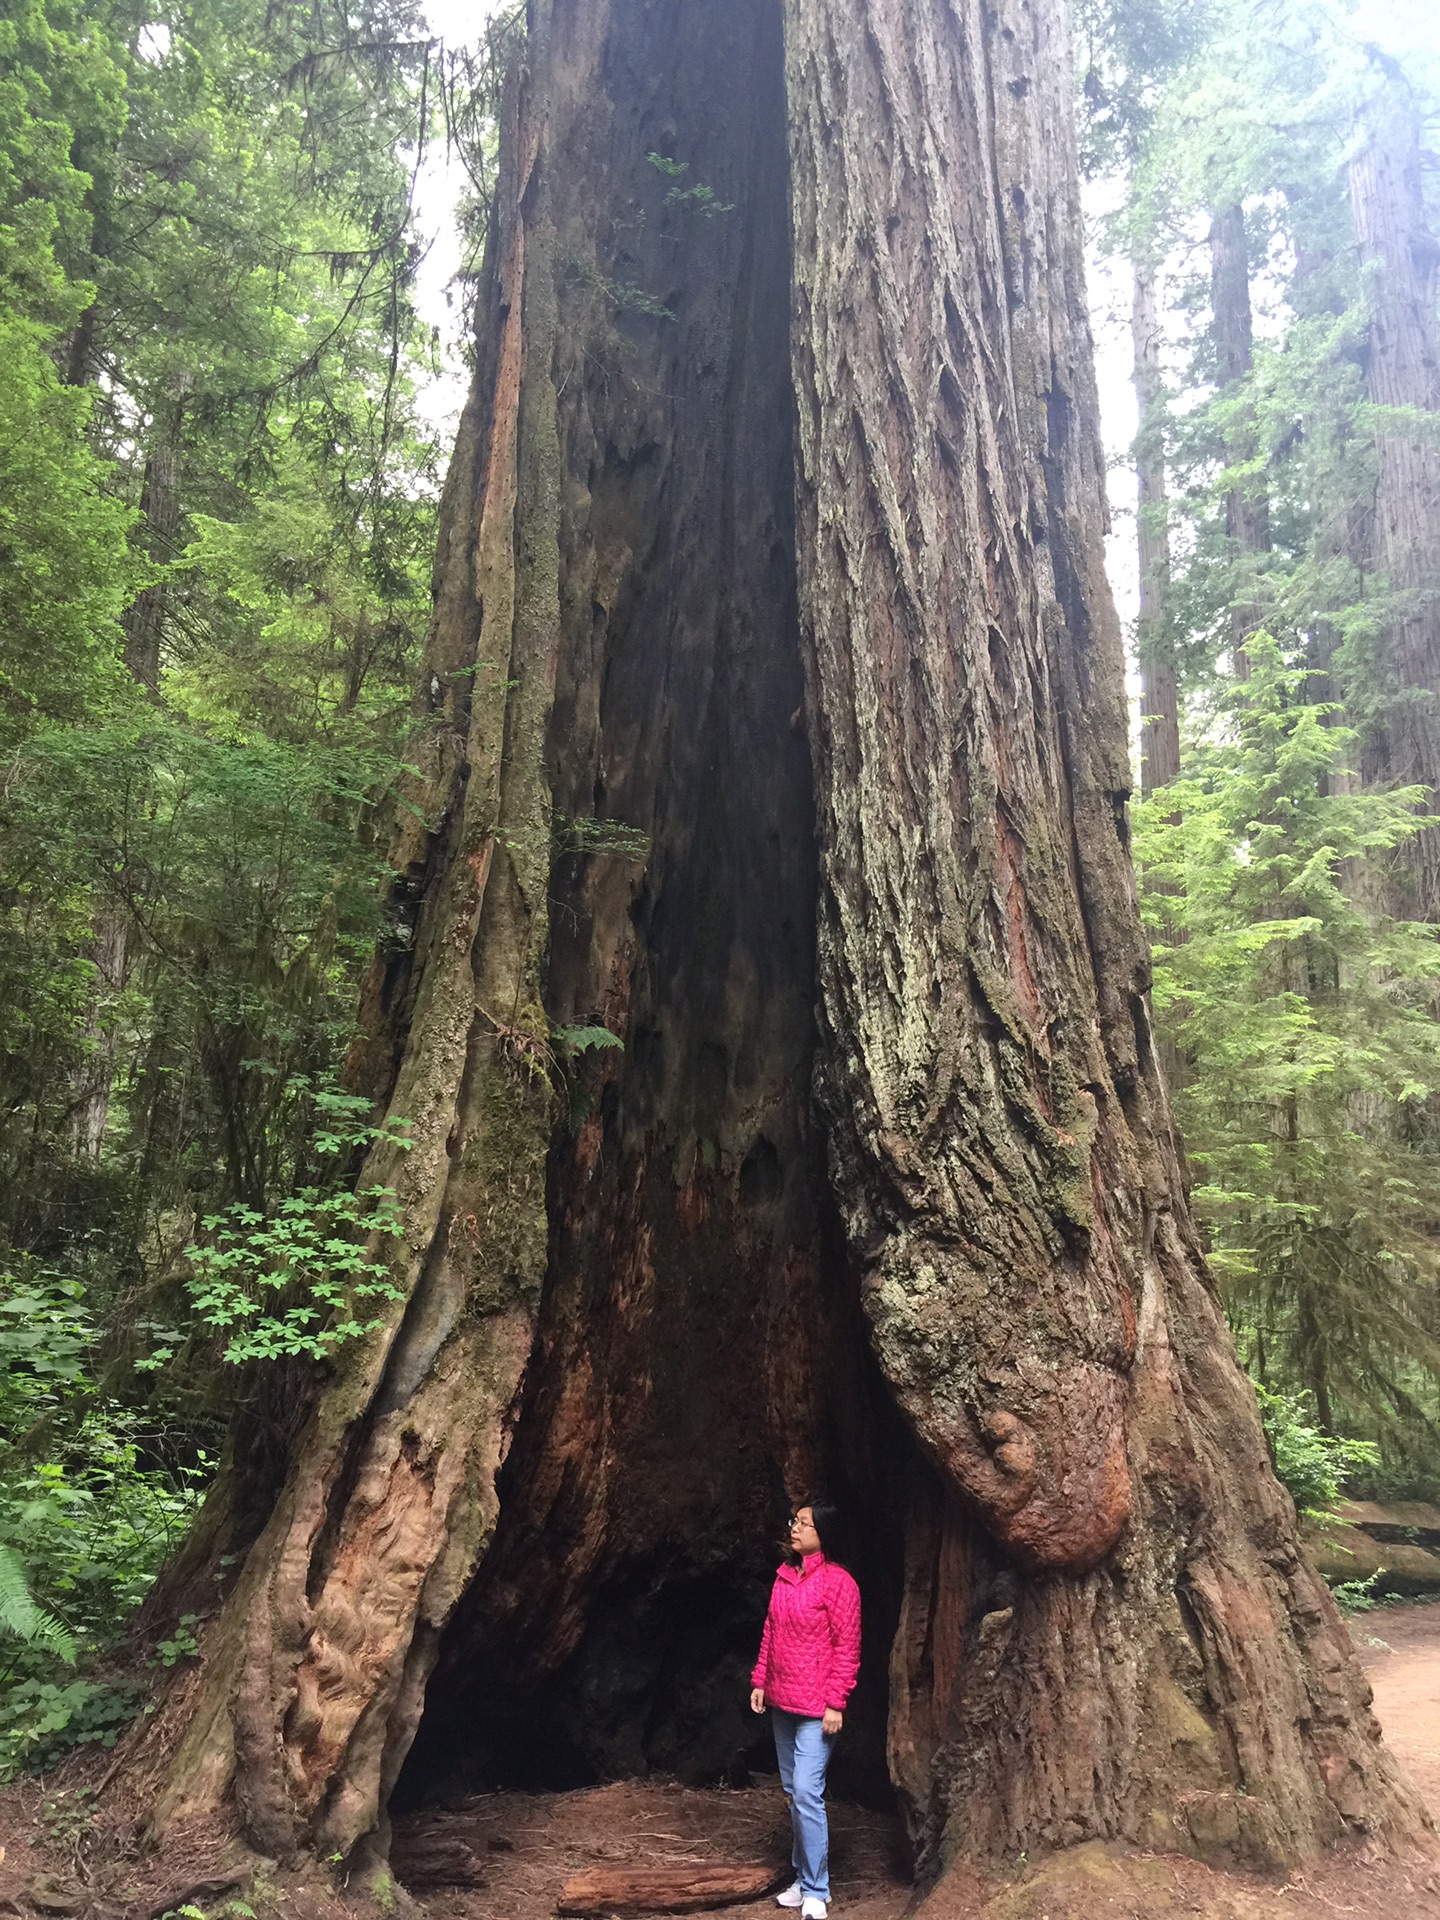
(109, 951)
(1159, 690)
(1402, 262)
(144, 626)
(1154, 638)
(1247, 509)
(780, 727)
(160, 517)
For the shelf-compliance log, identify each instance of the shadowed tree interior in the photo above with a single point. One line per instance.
(700, 1348)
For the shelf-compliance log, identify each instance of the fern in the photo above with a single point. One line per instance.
(22, 1619)
(585, 1039)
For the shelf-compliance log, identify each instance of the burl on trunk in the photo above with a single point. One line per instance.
(775, 721)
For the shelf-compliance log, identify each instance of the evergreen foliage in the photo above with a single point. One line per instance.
(213, 584)
(1300, 1014)
(217, 511)
(1300, 1009)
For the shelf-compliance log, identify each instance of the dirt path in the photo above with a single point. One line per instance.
(1401, 1650)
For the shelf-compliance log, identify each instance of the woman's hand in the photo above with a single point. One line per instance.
(757, 1699)
(832, 1722)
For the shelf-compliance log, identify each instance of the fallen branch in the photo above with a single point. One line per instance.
(672, 1889)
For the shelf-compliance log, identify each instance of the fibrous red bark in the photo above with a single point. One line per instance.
(780, 728)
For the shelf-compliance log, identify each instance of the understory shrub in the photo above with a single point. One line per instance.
(1312, 1465)
(87, 1519)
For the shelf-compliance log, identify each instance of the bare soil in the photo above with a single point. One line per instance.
(517, 1849)
(1401, 1650)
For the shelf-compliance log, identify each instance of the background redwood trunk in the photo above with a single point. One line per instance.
(1247, 506)
(1403, 378)
(707, 767)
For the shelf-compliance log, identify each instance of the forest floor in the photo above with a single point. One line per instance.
(518, 1849)
(530, 1843)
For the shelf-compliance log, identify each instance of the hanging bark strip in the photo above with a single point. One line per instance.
(1000, 1142)
(316, 1671)
(1154, 643)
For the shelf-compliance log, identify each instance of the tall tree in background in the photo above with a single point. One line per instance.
(227, 311)
(1287, 971)
(1127, 54)
(1394, 230)
(1154, 641)
(776, 686)
(1247, 518)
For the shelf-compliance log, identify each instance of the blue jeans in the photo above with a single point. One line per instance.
(804, 1754)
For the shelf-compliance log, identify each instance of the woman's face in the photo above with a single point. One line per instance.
(803, 1537)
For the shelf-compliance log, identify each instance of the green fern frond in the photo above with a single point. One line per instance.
(22, 1619)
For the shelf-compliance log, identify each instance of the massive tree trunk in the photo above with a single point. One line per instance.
(1402, 261)
(778, 724)
(1154, 642)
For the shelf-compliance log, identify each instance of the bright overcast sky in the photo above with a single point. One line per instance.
(458, 23)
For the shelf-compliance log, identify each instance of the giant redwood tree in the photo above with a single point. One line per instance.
(774, 720)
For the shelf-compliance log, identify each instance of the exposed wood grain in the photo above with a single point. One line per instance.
(686, 1889)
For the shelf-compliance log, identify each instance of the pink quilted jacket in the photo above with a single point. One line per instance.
(810, 1650)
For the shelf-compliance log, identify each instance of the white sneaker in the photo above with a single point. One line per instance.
(792, 1896)
(812, 1909)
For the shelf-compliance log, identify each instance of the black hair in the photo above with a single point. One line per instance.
(830, 1525)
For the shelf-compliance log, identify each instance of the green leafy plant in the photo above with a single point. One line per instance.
(227, 1910)
(1358, 1596)
(697, 199)
(181, 1644)
(293, 1282)
(585, 1039)
(87, 1516)
(21, 1619)
(44, 1719)
(1312, 1466)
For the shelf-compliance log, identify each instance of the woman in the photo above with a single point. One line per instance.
(809, 1657)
